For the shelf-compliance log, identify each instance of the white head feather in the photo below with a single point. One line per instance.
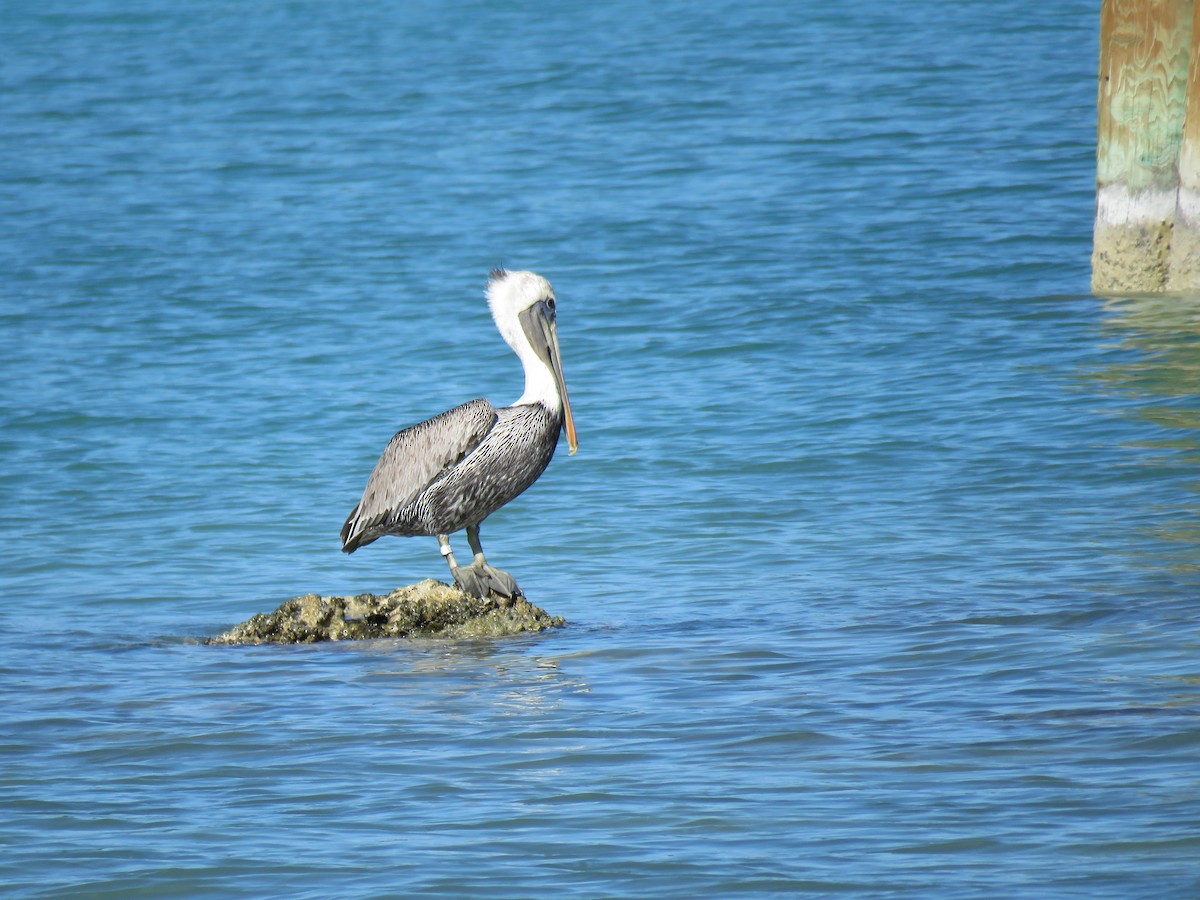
(508, 295)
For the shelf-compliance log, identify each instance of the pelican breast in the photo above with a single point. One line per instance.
(508, 460)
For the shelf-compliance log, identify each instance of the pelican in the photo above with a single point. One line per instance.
(454, 470)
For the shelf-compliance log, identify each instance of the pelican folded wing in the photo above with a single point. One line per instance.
(412, 460)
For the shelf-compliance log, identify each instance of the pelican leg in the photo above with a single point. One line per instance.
(444, 547)
(468, 578)
(498, 580)
(479, 578)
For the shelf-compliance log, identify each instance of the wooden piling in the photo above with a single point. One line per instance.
(1147, 227)
(1185, 269)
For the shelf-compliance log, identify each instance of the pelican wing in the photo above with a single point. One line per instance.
(412, 460)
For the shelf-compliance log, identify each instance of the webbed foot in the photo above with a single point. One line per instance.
(480, 579)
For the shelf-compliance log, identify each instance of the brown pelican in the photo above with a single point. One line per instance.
(456, 469)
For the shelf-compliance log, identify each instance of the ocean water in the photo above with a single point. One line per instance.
(880, 552)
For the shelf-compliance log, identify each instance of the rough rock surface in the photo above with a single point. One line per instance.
(427, 609)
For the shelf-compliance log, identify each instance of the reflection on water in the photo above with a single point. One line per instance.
(425, 673)
(1165, 333)
(1155, 380)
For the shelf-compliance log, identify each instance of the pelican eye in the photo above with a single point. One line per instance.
(550, 303)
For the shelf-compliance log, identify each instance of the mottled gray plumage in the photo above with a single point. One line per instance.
(452, 471)
(413, 460)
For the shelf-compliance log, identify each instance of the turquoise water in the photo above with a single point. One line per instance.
(880, 551)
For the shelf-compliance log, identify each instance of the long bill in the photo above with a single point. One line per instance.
(542, 331)
(556, 366)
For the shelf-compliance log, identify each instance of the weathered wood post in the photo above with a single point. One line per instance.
(1147, 228)
(1185, 268)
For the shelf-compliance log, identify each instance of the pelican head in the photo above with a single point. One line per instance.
(523, 306)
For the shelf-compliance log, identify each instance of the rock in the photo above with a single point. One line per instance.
(428, 609)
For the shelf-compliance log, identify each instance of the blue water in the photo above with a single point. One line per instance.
(880, 552)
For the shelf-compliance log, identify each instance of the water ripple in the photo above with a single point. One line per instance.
(879, 553)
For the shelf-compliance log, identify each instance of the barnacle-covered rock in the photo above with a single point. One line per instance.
(427, 609)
